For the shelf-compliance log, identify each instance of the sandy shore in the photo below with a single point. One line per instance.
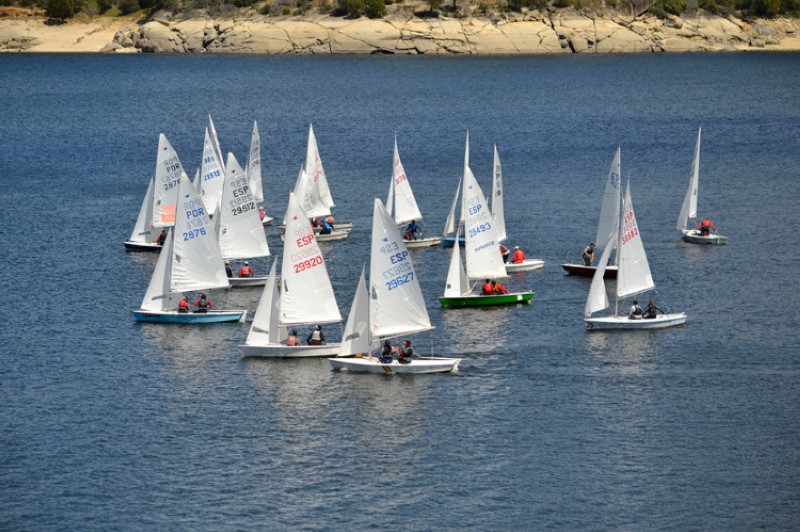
(563, 32)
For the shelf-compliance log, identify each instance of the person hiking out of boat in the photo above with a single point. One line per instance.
(651, 311)
(519, 256)
(228, 270)
(183, 306)
(706, 226)
(316, 337)
(588, 254)
(387, 353)
(292, 340)
(202, 304)
(488, 288)
(411, 231)
(505, 252)
(246, 270)
(636, 311)
(405, 354)
(497, 288)
(162, 237)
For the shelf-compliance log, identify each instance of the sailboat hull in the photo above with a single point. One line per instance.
(450, 241)
(285, 351)
(345, 227)
(423, 242)
(588, 271)
(625, 323)
(476, 300)
(246, 282)
(142, 246)
(190, 318)
(417, 365)
(693, 236)
(528, 265)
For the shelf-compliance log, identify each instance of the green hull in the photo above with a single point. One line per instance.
(486, 301)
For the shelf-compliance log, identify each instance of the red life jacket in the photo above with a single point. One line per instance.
(487, 288)
(519, 256)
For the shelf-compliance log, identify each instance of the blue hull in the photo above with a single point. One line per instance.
(222, 316)
(450, 241)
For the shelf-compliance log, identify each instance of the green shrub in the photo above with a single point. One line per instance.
(265, 9)
(663, 8)
(765, 8)
(375, 8)
(709, 5)
(60, 9)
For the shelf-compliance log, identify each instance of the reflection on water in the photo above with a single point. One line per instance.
(622, 352)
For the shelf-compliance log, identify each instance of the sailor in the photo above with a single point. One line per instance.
(316, 337)
(406, 353)
(246, 270)
(519, 256)
(588, 254)
(202, 304)
(636, 311)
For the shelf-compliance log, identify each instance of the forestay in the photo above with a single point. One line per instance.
(396, 305)
(307, 295)
(165, 193)
(241, 235)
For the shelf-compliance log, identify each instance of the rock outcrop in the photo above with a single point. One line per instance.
(562, 31)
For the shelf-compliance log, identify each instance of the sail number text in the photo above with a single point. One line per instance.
(308, 264)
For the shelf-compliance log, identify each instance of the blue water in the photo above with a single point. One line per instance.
(110, 424)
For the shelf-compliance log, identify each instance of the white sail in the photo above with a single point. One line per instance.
(306, 190)
(165, 193)
(609, 212)
(598, 299)
(457, 282)
(212, 174)
(214, 138)
(689, 207)
(634, 274)
(315, 170)
(157, 297)
(197, 182)
(450, 223)
(405, 206)
(254, 166)
(390, 197)
(396, 305)
(197, 261)
(484, 260)
(498, 210)
(143, 230)
(307, 295)
(265, 330)
(356, 338)
(241, 235)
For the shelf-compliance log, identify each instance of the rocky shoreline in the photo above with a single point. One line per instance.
(562, 31)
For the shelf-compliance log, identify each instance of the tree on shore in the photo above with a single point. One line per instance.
(60, 9)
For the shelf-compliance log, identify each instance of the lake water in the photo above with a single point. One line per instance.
(111, 424)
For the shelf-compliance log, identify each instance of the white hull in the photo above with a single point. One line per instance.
(330, 237)
(423, 242)
(693, 236)
(625, 323)
(343, 228)
(528, 265)
(245, 282)
(417, 365)
(285, 351)
(267, 220)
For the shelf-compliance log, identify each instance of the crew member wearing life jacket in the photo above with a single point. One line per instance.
(202, 304)
(636, 311)
(406, 353)
(706, 226)
(505, 252)
(497, 288)
(228, 270)
(292, 340)
(488, 288)
(387, 353)
(316, 337)
(519, 256)
(246, 270)
(162, 237)
(183, 306)
(325, 227)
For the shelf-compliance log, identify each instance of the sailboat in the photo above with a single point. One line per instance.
(191, 261)
(313, 192)
(401, 200)
(212, 173)
(241, 235)
(254, 172)
(686, 219)
(482, 250)
(305, 296)
(143, 237)
(499, 219)
(609, 220)
(393, 306)
(633, 278)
